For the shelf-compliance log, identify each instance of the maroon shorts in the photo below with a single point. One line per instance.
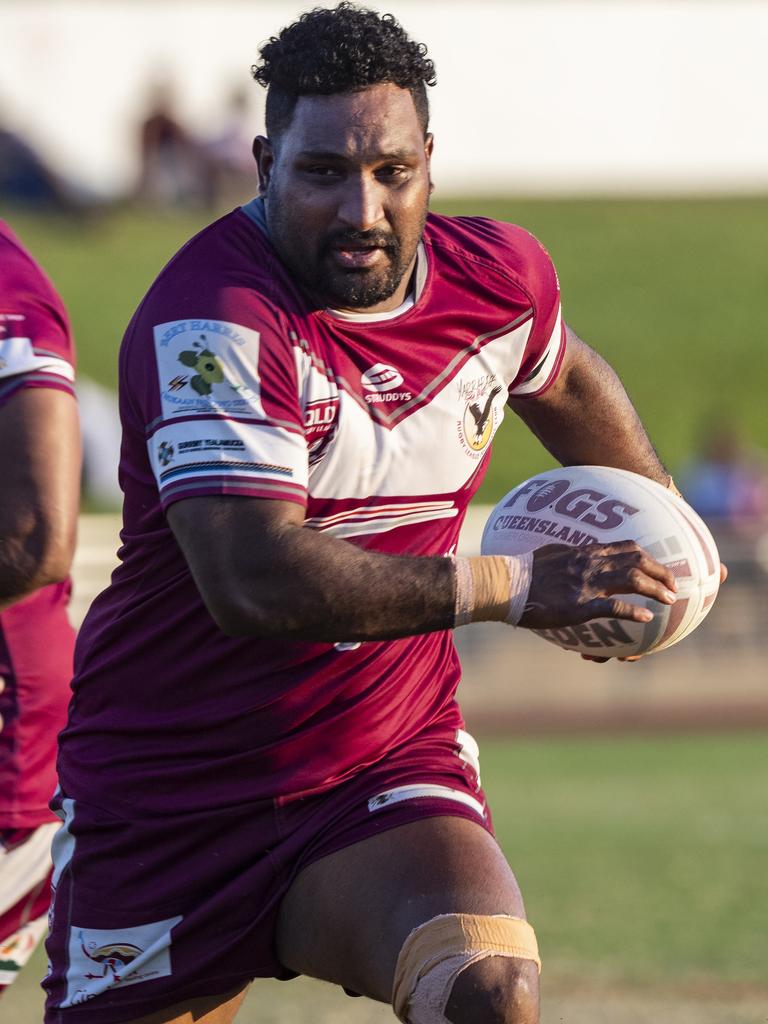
(150, 912)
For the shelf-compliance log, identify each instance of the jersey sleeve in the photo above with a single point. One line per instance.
(36, 349)
(222, 414)
(545, 347)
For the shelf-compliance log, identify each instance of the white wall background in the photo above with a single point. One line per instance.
(567, 96)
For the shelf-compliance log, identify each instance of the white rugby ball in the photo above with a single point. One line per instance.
(579, 505)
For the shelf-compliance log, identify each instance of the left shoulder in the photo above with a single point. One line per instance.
(36, 345)
(507, 248)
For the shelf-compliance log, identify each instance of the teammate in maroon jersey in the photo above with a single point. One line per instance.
(39, 468)
(265, 771)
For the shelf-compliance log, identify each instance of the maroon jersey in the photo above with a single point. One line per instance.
(378, 426)
(36, 639)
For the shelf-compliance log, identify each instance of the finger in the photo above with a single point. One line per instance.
(613, 608)
(633, 581)
(723, 573)
(632, 657)
(656, 570)
(634, 556)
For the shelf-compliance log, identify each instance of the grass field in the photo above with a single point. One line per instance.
(643, 865)
(671, 292)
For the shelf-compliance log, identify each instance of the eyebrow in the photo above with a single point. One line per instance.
(318, 154)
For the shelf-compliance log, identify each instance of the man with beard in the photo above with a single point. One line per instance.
(265, 770)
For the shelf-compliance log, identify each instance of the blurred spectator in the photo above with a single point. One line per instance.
(232, 167)
(727, 483)
(173, 165)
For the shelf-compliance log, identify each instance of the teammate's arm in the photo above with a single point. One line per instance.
(587, 418)
(262, 573)
(40, 474)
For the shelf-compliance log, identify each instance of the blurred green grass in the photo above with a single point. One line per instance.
(670, 291)
(642, 862)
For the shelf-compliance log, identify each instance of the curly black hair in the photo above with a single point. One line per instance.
(340, 49)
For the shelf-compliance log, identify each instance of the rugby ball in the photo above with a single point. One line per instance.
(579, 505)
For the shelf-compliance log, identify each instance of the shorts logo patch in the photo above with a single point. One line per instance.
(208, 366)
(101, 958)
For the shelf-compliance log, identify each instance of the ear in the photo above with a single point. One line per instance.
(429, 145)
(264, 156)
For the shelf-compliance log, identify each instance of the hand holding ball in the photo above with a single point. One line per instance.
(612, 521)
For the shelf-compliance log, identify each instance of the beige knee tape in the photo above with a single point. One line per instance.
(443, 947)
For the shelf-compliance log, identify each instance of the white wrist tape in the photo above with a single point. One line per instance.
(492, 588)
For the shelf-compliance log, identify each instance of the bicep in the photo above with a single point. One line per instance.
(40, 460)
(586, 417)
(229, 539)
(40, 472)
(569, 410)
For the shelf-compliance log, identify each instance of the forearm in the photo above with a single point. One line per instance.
(262, 573)
(589, 419)
(313, 587)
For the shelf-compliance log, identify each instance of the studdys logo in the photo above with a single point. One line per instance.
(584, 504)
(380, 382)
(381, 378)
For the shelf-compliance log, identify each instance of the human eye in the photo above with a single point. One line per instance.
(325, 172)
(392, 171)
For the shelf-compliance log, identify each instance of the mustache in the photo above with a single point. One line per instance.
(375, 238)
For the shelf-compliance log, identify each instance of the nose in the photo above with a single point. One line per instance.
(361, 204)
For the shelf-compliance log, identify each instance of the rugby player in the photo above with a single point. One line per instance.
(265, 771)
(40, 472)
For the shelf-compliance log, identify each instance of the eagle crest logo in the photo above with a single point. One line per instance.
(479, 420)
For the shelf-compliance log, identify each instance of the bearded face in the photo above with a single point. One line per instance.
(347, 193)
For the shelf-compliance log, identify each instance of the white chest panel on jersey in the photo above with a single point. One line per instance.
(434, 449)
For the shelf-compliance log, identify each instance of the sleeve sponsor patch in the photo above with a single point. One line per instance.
(227, 456)
(208, 367)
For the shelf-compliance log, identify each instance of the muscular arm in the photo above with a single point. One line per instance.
(261, 573)
(586, 417)
(40, 474)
